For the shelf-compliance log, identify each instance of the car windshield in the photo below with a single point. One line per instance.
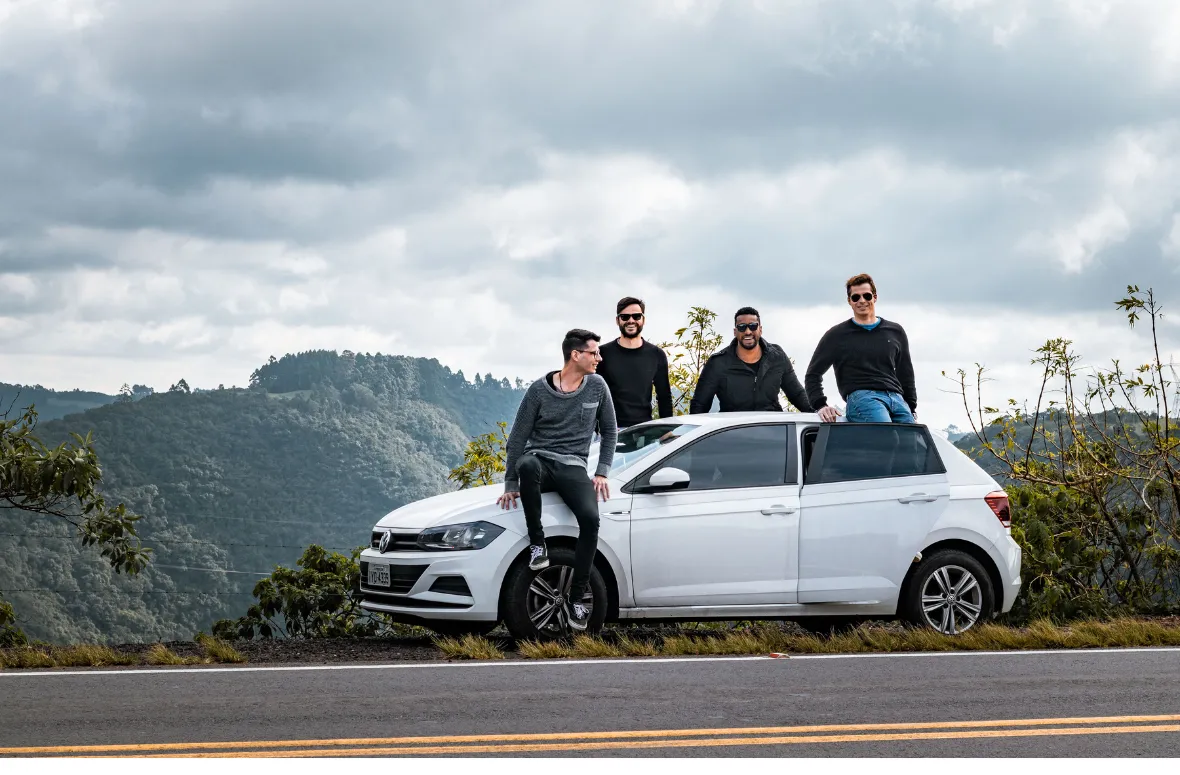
(639, 442)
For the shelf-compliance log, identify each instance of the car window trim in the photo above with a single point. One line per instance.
(813, 475)
(629, 487)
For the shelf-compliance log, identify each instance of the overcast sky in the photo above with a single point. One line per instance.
(189, 187)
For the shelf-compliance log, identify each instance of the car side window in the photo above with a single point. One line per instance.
(746, 456)
(855, 451)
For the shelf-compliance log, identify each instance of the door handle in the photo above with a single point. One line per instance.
(918, 497)
(770, 512)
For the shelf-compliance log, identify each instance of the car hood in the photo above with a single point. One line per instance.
(451, 507)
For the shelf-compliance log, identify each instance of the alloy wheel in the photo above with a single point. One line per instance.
(548, 599)
(952, 599)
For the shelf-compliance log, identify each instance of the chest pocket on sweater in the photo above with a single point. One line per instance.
(589, 413)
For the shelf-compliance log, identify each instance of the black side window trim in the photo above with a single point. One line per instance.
(813, 474)
(788, 474)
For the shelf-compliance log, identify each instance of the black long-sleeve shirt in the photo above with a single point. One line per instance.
(744, 387)
(864, 359)
(631, 373)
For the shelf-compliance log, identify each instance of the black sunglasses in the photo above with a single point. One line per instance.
(625, 316)
(747, 326)
(857, 296)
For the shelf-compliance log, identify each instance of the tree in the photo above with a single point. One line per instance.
(126, 395)
(484, 457)
(694, 343)
(62, 484)
(1097, 477)
(180, 387)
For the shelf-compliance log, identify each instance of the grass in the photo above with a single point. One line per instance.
(218, 650)
(159, 654)
(868, 638)
(469, 647)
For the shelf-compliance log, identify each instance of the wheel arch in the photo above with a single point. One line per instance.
(605, 569)
(968, 547)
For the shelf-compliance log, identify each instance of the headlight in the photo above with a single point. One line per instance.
(472, 535)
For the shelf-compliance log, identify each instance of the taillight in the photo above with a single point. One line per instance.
(999, 504)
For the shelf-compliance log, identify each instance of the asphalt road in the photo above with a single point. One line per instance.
(1121, 703)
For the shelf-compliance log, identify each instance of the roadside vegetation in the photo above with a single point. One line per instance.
(767, 639)
(208, 650)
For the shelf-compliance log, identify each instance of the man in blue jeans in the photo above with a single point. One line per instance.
(871, 357)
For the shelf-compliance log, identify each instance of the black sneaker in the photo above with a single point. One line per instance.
(538, 557)
(579, 617)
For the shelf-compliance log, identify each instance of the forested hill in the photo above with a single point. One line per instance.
(51, 404)
(233, 482)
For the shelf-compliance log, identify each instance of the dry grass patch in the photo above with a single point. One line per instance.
(469, 647)
(159, 654)
(551, 649)
(26, 657)
(91, 656)
(218, 650)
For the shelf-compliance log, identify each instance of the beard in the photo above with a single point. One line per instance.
(638, 330)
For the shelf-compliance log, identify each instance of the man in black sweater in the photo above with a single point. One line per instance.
(632, 367)
(748, 375)
(871, 356)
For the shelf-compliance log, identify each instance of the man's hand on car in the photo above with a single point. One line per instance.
(602, 487)
(829, 413)
(508, 500)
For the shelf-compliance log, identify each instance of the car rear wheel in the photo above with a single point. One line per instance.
(950, 592)
(536, 604)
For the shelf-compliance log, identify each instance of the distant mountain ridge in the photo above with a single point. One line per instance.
(231, 482)
(51, 404)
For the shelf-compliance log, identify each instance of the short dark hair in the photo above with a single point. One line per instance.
(627, 301)
(576, 339)
(746, 311)
(859, 279)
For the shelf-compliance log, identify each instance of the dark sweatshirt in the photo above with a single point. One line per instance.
(630, 374)
(746, 387)
(877, 359)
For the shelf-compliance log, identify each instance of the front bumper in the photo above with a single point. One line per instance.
(417, 577)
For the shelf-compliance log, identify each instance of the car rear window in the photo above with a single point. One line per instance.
(861, 451)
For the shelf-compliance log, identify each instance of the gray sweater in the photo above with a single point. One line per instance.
(560, 426)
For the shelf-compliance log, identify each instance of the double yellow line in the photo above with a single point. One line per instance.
(459, 745)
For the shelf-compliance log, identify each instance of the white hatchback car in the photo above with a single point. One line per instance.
(721, 516)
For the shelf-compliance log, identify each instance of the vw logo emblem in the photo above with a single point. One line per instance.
(384, 543)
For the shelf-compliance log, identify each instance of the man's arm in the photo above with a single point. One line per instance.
(706, 390)
(905, 374)
(518, 436)
(821, 361)
(795, 392)
(608, 426)
(663, 387)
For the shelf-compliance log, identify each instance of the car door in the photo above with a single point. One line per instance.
(729, 537)
(871, 494)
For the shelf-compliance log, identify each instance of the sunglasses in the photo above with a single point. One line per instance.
(857, 297)
(747, 326)
(625, 316)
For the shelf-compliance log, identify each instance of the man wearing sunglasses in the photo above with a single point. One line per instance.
(632, 367)
(748, 375)
(547, 450)
(871, 357)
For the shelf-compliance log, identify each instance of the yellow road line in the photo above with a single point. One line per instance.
(697, 743)
(537, 737)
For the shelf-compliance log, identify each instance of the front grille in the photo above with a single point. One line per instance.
(401, 578)
(398, 542)
(451, 585)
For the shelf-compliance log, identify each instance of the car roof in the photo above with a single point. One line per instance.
(735, 418)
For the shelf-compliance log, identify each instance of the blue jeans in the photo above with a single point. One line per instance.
(877, 406)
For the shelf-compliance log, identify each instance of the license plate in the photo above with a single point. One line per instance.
(378, 575)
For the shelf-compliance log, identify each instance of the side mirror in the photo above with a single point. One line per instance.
(667, 479)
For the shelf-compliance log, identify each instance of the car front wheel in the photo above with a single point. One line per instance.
(950, 592)
(536, 604)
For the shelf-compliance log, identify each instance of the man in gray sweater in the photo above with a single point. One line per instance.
(547, 450)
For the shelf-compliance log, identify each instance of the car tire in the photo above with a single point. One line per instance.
(523, 598)
(459, 629)
(950, 592)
